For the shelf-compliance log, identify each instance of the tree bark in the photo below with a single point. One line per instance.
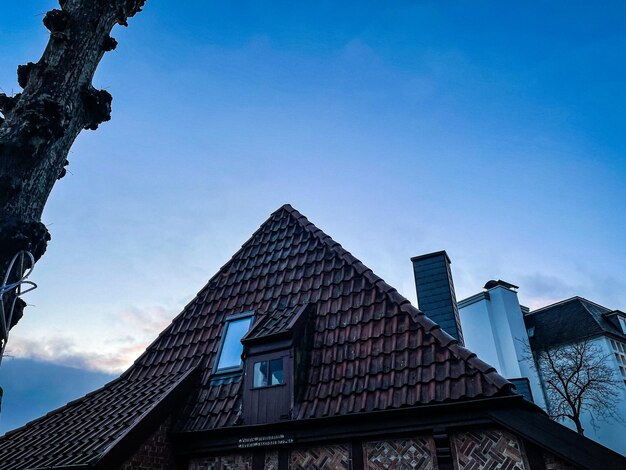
(41, 123)
(579, 426)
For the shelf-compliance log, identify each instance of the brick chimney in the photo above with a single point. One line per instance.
(435, 291)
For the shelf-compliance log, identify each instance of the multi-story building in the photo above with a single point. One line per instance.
(503, 332)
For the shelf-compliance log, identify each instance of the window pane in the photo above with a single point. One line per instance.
(260, 374)
(276, 371)
(232, 347)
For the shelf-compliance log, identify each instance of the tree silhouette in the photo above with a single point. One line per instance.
(578, 378)
(39, 125)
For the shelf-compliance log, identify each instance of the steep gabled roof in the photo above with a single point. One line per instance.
(568, 321)
(371, 350)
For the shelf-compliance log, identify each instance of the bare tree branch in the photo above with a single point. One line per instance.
(578, 379)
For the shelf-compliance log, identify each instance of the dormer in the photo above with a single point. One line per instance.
(618, 319)
(275, 359)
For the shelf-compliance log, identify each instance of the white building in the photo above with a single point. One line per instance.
(493, 327)
(500, 331)
(572, 321)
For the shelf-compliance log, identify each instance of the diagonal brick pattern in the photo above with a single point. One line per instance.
(487, 449)
(320, 458)
(271, 460)
(223, 462)
(400, 454)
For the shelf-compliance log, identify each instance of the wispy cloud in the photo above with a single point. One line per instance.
(64, 351)
(140, 327)
(543, 289)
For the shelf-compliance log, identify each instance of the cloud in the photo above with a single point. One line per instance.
(64, 351)
(148, 321)
(540, 290)
(140, 327)
(545, 285)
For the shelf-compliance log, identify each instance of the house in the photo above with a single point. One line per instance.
(503, 333)
(295, 355)
(575, 320)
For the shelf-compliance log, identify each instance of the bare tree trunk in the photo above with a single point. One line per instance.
(41, 123)
(579, 427)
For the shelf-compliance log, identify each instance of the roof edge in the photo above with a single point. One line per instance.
(566, 444)
(560, 302)
(117, 452)
(69, 404)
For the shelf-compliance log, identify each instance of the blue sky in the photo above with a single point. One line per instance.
(492, 130)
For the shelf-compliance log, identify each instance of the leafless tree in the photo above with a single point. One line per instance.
(39, 125)
(579, 378)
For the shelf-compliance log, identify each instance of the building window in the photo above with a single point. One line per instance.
(622, 323)
(229, 355)
(619, 349)
(269, 373)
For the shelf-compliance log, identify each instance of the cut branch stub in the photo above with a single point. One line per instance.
(57, 22)
(129, 8)
(17, 235)
(97, 107)
(63, 170)
(109, 43)
(7, 103)
(23, 72)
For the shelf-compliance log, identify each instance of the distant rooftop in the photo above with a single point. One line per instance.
(570, 320)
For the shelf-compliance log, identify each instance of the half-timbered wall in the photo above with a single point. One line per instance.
(486, 448)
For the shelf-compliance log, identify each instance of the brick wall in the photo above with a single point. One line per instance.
(154, 454)
(335, 457)
(400, 454)
(554, 463)
(494, 449)
(223, 462)
(271, 460)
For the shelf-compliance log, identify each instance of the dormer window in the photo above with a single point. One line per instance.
(229, 354)
(275, 364)
(269, 373)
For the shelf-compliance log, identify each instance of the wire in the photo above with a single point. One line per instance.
(17, 288)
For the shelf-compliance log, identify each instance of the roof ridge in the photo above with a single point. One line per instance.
(285, 207)
(564, 301)
(445, 339)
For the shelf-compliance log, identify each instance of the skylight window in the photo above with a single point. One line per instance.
(229, 355)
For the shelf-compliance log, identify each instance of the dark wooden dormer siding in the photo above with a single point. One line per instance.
(272, 403)
(278, 335)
